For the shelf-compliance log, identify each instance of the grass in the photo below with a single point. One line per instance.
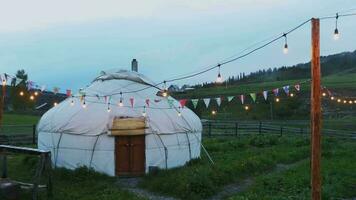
(253, 156)
(80, 184)
(18, 124)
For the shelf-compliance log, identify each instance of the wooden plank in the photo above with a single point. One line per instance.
(315, 111)
(24, 150)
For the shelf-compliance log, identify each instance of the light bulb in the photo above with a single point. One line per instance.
(291, 95)
(350, 102)
(179, 114)
(213, 112)
(332, 98)
(355, 101)
(345, 101)
(336, 34)
(247, 108)
(324, 94)
(164, 93)
(219, 79)
(277, 100)
(72, 102)
(285, 49)
(84, 105)
(36, 93)
(144, 113)
(55, 104)
(109, 110)
(339, 100)
(32, 97)
(120, 103)
(21, 93)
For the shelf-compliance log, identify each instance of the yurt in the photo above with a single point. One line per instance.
(121, 124)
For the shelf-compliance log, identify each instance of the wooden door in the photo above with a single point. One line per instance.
(130, 155)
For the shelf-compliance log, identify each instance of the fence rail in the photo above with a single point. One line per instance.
(230, 128)
(18, 134)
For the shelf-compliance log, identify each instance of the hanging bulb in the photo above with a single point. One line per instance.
(247, 107)
(144, 111)
(32, 98)
(219, 79)
(164, 91)
(285, 48)
(121, 104)
(213, 112)
(84, 105)
(332, 98)
(55, 104)
(345, 101)
(277, 99)
(179, 112)
(291, 95)
(339, 100)
(350, 102)
(324, 94)
(72, 102)
(21, 93)
(336, 31)
(36, 93)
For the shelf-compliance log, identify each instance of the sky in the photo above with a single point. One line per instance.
(67, 43)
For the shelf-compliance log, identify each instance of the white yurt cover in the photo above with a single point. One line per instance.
(80, 136)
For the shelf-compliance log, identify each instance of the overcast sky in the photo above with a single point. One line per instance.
(67, 43)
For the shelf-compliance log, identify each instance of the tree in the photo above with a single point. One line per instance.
(19, 94)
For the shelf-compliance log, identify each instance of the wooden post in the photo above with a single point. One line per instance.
(315, 111)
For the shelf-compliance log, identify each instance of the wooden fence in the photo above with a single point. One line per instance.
(236, 128)
(18, 134)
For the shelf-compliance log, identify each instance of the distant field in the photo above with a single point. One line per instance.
(18, 119)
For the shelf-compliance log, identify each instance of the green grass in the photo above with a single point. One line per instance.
(17, 119)
(238, 158)
(81, 184)
(338, 180)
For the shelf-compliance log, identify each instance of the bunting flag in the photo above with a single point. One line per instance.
(230, 98)
(218, 101)
(148, 102)
(132, 100)
(276, 91)
(242, 98)
(170, 102)
(106, 99)
(265, 95)
(195, 102)
(329, 93)
(297, 87)
(206, 102)
(183, 102)
(253, 96)
(69, 93)
(286, 89)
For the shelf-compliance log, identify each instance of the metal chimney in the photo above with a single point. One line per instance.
(134, 65)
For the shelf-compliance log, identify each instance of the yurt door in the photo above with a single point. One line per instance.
(130, 155)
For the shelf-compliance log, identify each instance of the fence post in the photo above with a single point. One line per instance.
(209, 132)
(260, 128)
(236, 128)
(34, 134)
(281, 131)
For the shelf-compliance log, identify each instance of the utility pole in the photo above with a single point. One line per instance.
(315, 110)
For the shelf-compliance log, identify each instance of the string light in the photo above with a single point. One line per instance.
(345, 101)
(285, 48)
(72, 102)
(354, 101)
(164, 91)
(247, 107)
(332, 98)
(213, 112)
(336, 31)
(109, 109)
(144, 111)
(339, 100)
(32, 98)
(36, 93)
(350, 102)
(219, 79)
(324, 94)
(179, 112)
(84, 105)
(277, 99)
(4, 81)
(121, 104)
(21, 93)
(55, 104)
(291, 95)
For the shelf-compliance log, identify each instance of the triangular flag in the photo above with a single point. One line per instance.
(229, 98)
(286, 89)
(276, 91)
(329, 92)
(29, 85)
(218, 101)
(253, 96)
(183, 102)
(148, 102)
(265, 94)
(297, 87)
(170, 102)
(195, 102)
(242, 98)
(69, 93)
(206, 102)
(132, 100)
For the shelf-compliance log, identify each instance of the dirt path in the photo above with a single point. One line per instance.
(240, 186)
(131, 184)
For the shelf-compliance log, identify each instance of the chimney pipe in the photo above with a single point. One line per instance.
(134, 65)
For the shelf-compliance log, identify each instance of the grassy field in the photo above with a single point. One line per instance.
(237, 159)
